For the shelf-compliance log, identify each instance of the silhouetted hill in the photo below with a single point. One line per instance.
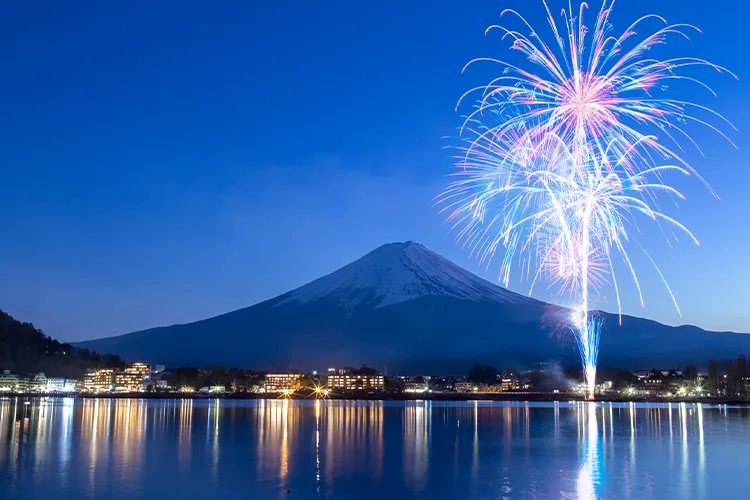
(26, 349)
(407, 308)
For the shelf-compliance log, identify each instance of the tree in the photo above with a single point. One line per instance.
(185, 376)
(394, 384)
(480, 374)
(741, 374)
(731, 379)
(113, 361)
(620, 378)
(365, 370)
(713, 376)
(691, 372)
(25, 349)
(547, 381)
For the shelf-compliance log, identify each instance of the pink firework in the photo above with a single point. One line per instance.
(594, 86)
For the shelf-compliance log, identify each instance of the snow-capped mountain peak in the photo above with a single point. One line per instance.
(399, 272)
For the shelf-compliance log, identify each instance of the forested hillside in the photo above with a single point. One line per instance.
(26, 349)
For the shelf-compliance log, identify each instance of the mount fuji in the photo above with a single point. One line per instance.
(406, 308)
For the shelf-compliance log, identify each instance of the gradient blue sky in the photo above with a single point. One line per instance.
(167, 161)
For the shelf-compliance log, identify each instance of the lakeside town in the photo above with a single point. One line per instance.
(546, 380)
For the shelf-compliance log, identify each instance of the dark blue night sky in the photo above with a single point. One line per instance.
(161, 164)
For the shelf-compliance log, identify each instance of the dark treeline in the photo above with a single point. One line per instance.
(730, 377)
(26, 349)
(737, 376)
(483, 374)
(231, 378)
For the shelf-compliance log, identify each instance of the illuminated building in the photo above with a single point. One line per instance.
(12, 383)
(141, 369)
(60, 385)
(37, 384)
(509, 384)
(280, 382)
(128, 382)
(353, 382)
(415, 387)
(465, 387)
(132, 377)
(99, 381)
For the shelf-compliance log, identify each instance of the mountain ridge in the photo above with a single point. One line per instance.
(406, 306)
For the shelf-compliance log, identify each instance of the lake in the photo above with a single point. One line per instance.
(282, 449)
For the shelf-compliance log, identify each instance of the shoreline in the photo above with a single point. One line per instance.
(448, 397)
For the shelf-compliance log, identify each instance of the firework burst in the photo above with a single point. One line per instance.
(564, 218)
(560, 159)
(596, 86)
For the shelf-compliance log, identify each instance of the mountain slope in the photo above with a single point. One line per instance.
(406, 307)
(398, 273)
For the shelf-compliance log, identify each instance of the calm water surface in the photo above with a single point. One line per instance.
(280, 449)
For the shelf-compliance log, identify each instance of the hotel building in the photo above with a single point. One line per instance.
(132, 377)
(128, 382)
(280, 382)
(12, 383)
(99, 381)
(352, 382)
(60, 385)
(141, 369)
